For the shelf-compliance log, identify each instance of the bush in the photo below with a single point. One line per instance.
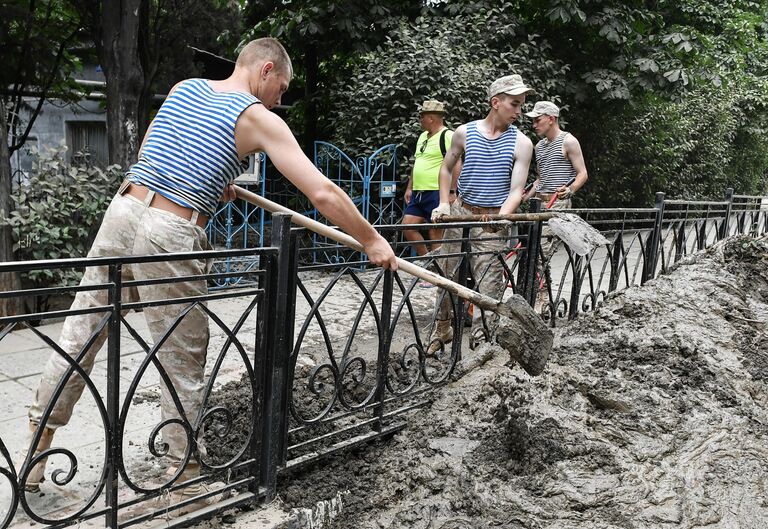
(691, 149)
(450, 59)
(58, 210)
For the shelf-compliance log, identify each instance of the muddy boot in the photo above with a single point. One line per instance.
(167, 500)
(36, 475)
(441, 335)
(175, 497)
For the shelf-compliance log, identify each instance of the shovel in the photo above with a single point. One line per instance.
(571, 229)
(574, 231)
(521, 331)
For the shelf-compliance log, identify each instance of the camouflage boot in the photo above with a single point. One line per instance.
(36, 474)
(441, 335)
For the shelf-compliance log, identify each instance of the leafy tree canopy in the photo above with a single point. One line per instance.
(685, 73)
(40, 43)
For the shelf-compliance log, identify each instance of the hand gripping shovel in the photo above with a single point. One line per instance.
(521, 331)
(574, 231)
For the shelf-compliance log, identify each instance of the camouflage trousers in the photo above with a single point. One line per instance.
(131, 228)
(549, 246)
(488, 246)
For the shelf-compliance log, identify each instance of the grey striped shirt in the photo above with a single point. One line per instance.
(555, 169)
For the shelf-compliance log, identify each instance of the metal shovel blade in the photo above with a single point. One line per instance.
(574, 231)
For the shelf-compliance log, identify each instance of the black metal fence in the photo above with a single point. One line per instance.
(334, 356)
(124, 475)
(643, 243)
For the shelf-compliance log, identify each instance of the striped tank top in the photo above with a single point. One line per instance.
(189, 155)
(555, 169)
(485, 176)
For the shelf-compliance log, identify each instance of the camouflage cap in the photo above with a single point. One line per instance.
(544, 108)
(509, 84)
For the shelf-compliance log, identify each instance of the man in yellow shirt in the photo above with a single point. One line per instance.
(423, 192)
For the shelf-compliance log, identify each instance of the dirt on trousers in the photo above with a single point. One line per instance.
(650, 414)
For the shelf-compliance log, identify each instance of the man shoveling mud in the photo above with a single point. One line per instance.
(191, 153)
(496, 160)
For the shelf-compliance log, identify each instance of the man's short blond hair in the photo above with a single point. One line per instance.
(265, 49)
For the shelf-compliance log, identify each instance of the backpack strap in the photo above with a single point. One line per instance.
(442, 142)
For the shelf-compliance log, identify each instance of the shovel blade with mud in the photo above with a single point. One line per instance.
(523, 334)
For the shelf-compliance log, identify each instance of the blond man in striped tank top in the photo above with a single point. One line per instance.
(234, 115)
(561, 172)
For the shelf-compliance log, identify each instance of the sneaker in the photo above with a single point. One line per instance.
(441, 335)
(166, 501)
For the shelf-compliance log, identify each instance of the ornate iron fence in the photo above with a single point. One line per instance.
(125, 477)
(339, 364)
(370, 365)
(370, 181)
(643, 243)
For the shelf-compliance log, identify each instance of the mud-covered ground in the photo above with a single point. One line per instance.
(651, 414)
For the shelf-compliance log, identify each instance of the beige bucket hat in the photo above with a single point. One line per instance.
(432, 105)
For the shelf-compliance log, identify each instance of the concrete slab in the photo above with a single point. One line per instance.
(15, 342)
(24, 363)
(14, 401)
(52, 330)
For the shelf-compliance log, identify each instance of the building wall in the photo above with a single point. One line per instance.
(57, 120)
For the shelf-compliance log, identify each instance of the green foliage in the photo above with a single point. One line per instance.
(694, 149)
(324, 38)
(35, 39)
(338, 25)
(450, 59)
(174, 25)
(669, 95)
(38, 40)
(57, 212)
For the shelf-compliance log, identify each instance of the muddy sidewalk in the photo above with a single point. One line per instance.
(651, 414)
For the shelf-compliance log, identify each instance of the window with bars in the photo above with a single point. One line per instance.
(87, 141)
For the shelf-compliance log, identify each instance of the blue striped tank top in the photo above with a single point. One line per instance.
(485, 176)
(190, 155)
(555, 169)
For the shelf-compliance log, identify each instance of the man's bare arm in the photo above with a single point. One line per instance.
(523, 155)
(265, 131)
(533, 188)
(572, 149)
(452, 157)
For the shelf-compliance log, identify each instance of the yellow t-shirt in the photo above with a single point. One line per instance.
(429, 157)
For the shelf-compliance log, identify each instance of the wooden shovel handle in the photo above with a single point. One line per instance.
(520, 217)
(484, 302)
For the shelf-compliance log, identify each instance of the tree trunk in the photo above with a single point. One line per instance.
(311, 65)
(125, 78)
(8, 280)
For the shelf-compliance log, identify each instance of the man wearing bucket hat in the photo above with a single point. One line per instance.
(560, 173)
(496, 160)
(422, 193)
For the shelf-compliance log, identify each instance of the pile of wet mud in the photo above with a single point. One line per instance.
(652, 413)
